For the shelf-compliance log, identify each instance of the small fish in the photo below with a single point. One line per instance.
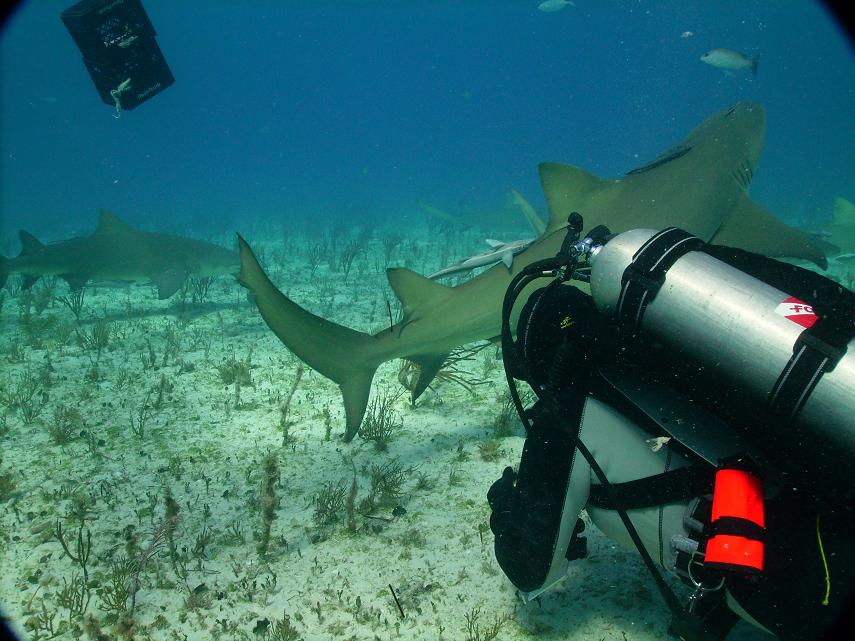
(549, 6)
(731, 60)
(686, 34)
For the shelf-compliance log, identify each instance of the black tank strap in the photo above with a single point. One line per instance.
(819, 347)
(817, 351)
(668, 487)
(644, 276)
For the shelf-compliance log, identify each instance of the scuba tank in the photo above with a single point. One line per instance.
(759, 350)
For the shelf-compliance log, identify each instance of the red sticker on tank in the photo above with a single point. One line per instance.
(797, 311)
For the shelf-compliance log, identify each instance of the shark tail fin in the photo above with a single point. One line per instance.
(339, 353)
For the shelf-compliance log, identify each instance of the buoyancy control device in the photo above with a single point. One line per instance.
(788, 383)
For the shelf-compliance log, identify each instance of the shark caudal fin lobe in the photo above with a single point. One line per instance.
(751, 227)
(339, 353)
(418, 294)
(567, 188)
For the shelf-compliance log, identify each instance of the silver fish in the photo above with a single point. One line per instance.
(731, 60)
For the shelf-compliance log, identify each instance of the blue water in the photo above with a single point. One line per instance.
(354, 109)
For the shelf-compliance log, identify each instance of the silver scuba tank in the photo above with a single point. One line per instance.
(743, 331)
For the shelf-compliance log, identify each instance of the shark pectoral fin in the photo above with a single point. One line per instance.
(29, 243)
(429, 366)
(75, 281)
(169, 282)
(753, 228)
(414, 290)
(566, 188)
(508, 259)
(843, 212)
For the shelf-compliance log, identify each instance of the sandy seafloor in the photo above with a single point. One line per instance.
(204, 441)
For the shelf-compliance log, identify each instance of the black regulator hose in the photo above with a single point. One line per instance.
(684, 623)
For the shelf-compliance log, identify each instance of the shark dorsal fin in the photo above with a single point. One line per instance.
(414, 290)
(492, 242)
(565, 186)
(844, 212)
(109, 223)
(29, 243)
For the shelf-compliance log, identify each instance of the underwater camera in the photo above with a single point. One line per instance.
(119, 49)
(670, 316)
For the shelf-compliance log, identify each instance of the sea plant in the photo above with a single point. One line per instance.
(329, 502)
(7, 482)
(28, 396)
(74, 301)
(96, 340)
(452, 370)
(267, 501)
(67, 424)
(381, 421)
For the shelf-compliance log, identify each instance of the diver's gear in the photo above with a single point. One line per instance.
(746, 341)
(119, 49)
(736, 530)
(831, 343)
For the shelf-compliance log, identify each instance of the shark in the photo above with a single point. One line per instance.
(498, 252)
(701, 185)
(118, 252)
(532, 218)
(839, 232)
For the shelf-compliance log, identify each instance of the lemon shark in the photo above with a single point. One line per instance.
(118, 252)
(840, 232)
(699, 185)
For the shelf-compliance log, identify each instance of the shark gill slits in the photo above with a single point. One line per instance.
(743, 174)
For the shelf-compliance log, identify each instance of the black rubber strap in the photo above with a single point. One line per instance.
(644, 276)
(734, 526)
(668, 487)
(817, 350)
